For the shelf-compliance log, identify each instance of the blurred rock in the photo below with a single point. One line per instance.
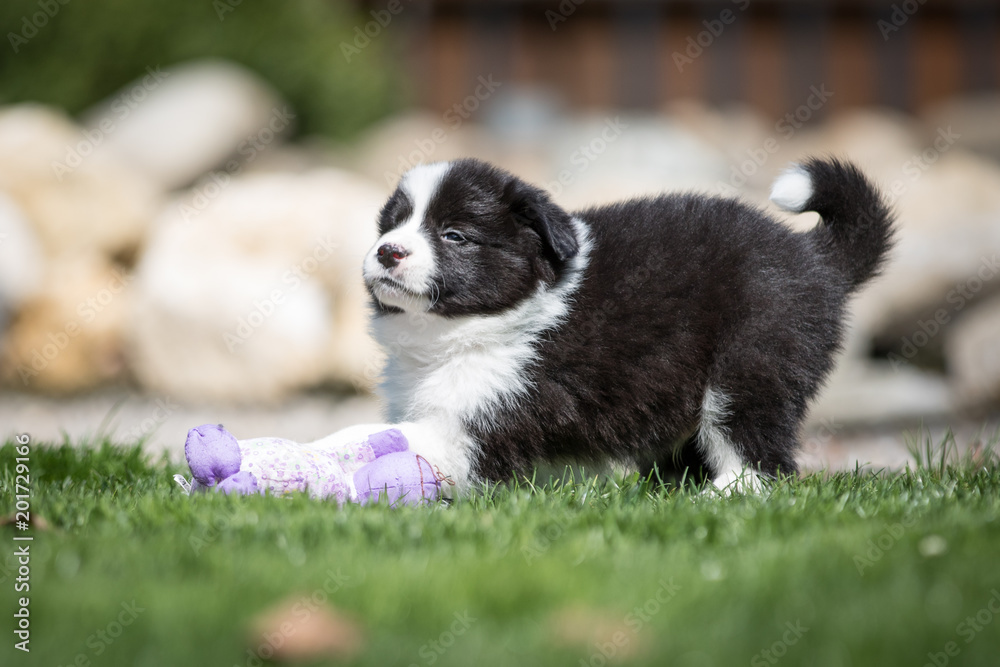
(248, 286)
(870, 392)
(975, 117)
(79, 202)
(879, 140)
(948, 204)
(602, 159)
(67, 337)
(22, 264)
(949, 224)
(522, 115)
(973, 350)
(174, 125)
(738, 133)
(251, 288)
(393, 146)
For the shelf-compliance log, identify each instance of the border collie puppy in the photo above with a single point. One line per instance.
(661, 329)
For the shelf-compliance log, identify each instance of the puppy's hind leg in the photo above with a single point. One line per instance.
(745, 439)
(680, 461)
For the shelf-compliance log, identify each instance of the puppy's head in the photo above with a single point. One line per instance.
(463, 237)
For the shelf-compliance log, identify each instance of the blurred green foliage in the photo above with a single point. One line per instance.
(74, 54)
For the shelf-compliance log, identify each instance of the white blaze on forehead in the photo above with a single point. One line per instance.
(417, 269)
(420, 184)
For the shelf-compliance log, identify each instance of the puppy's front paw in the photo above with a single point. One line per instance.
(745, 481)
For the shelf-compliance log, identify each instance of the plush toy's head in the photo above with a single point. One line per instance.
(214, 456)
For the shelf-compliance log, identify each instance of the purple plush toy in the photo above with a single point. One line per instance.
(351, 467)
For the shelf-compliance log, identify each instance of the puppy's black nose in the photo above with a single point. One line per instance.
(390, 254)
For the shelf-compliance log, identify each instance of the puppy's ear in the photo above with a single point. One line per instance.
(532, 207)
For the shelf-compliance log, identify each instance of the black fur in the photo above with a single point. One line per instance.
(680, 293)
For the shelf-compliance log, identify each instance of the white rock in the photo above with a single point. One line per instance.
(949, 225)
(602, 159)
(177, 124)
(741, 135)
(67, 336)
(860, 392)
(878, 140)
(393, 146)
(79, 202)
(948, 205)
(975, 117)
(972, 348)
(256, 291)
(22, 263)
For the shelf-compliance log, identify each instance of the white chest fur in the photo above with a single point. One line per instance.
(444, 373)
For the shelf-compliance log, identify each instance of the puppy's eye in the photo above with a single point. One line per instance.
(453, 236)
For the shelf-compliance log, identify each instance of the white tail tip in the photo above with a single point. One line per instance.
(793, 189)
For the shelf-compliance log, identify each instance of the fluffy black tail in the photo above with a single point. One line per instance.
(856, 231)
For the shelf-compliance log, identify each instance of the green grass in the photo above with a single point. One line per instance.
(877, 569)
